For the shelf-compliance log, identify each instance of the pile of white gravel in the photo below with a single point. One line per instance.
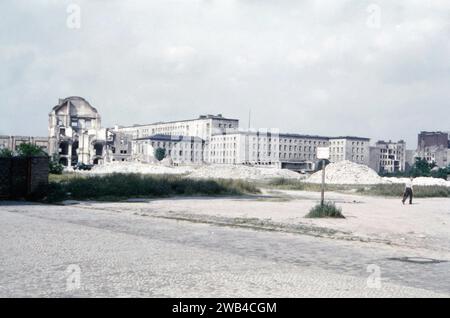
(346, 172)
(243, 172)
(215, 171)
(137, 167)
(420, 181)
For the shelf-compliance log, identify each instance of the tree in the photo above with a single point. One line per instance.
(6, 153)
(421, 168)
(160, 153)
(30, 150)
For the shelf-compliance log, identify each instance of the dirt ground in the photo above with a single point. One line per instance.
(423, 225)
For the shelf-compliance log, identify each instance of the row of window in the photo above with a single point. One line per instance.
(185, 145)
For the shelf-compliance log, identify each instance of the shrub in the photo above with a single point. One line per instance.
(327, 210)
(6, 153)
(55, 167)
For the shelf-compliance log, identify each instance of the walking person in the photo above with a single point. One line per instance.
(408, 191)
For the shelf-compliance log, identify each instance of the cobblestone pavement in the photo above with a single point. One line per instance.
(66, 251)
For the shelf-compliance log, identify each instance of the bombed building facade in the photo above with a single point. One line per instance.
(76, 135)
(434, 147)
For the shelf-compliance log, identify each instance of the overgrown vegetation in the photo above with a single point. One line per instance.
(389, 190)
(327, 210)
(30, 150)
(54, 166)
(292, 184)
(6, 153)
(422, 168)
(121, 186)
(23, 150)
(396, 190)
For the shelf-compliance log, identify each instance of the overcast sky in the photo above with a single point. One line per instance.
(378, 69)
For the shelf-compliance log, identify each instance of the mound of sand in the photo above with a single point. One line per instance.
(346, 172)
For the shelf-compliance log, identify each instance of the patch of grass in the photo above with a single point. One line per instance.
(292, 184)
(64, 176)
(396, 190)
(121, 186)
(388, 190)
(328, 210)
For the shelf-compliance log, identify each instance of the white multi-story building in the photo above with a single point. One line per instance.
(355, 149)
(293, 151)
(244, 147)
(203, 127)
(180, 149)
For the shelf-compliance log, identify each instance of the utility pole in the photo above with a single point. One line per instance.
(322, 196)
(323, 153)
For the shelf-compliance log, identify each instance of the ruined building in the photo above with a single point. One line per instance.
(388, 156)
(434, 147)
(75, 133)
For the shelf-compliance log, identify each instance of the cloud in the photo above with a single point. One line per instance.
(301, 66)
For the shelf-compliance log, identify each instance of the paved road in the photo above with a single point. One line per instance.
(60, 251)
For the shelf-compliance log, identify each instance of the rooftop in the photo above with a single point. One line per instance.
(176, 138)
(218, 117)
(351, 138)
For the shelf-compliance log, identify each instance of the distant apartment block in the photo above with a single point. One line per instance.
(388, 156)
(355, 149)
(12, 142)
(434, 147)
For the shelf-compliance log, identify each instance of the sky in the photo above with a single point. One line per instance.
(377, 69)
